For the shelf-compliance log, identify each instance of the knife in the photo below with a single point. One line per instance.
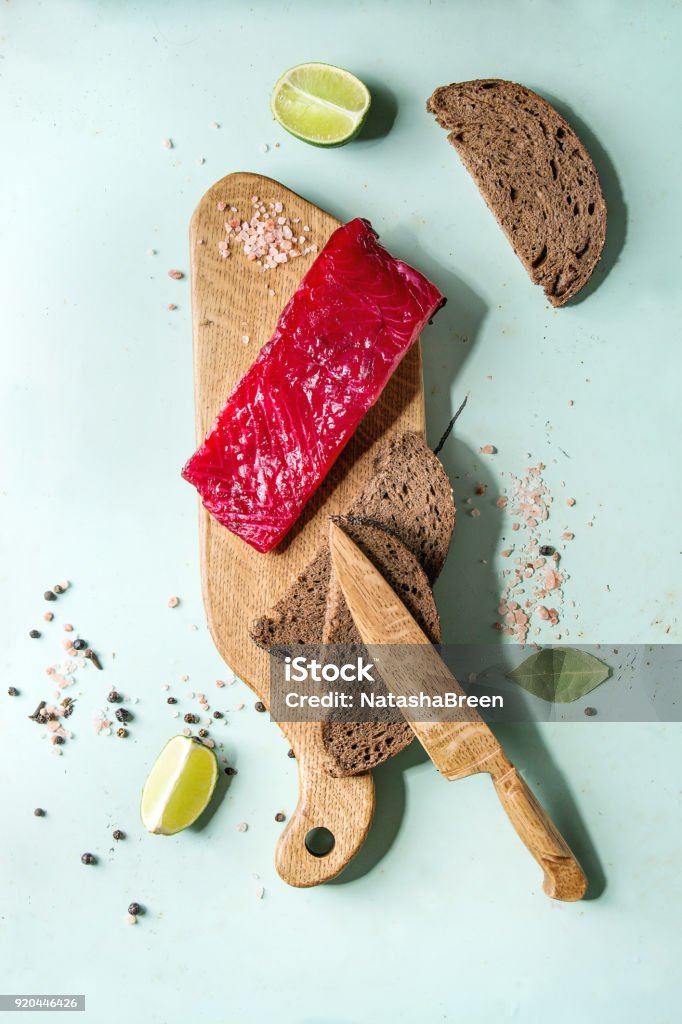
(457, 748)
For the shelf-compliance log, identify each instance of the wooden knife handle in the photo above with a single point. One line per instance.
(564, 878)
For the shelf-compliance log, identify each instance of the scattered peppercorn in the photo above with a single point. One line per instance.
(12, 691)
(290, 752)
(280, 816)
(58, 588)
(114, 697)
(260, 706)
(38, 715)
(171, 700)
(218, 714)
(80, 644)
(190, 718)
(590, 712)
(34, 634)
(134, 909)
(88, 858)
(123, 715)
(118, 835)
(89, 653)
(122, 732)
(57, 740)
(546, 550)
(230, 770)
(49, 596)
(203, 733)
(39, 812)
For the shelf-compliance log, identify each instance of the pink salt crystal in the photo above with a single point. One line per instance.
(220, 206)
(131, 919)
(209, 743)
(219, 683)
(542, 612)
(506, 553)
(176, 275)
(48, 616)
(570, 502)
(186, 732)
(171, 306)
(516, 526)
(167, 143)
(68, 628)
(173, 602)
(245, 339)
(239, 707)
(475, 513)
(568, 536)
(488, 449)
(242, 827)
(570, 401)
(260, 892)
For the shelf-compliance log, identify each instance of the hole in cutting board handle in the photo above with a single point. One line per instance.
(319, 841)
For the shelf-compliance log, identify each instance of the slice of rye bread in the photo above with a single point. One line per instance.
(410, 494)
(353, 748)
(535, 175)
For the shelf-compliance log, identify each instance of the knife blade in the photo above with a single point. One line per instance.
(457, 748)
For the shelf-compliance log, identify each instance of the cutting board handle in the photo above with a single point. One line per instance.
(343, 807)
(564, 878)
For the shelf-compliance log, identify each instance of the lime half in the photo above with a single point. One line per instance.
(320, 104)
(179, 786)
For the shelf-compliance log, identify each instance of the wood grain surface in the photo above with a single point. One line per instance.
(408, 662)
(230, 300)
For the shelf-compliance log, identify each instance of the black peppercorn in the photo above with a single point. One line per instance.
(122, 732)
(88, 858)
(39, 812)
(57, 740)
(546, 550)
(34, 634)
(259, 706)
(203, 733)
(218, 714)
(79, 645)
(123, 715)
(171, 700)
(280, 816)
(190, 718)
(12, 691)
(118, 834)
(590, 712)
(114, 697)
(290, 752)
(49, 596)
(58, 589)
(134, 909)
(230, 770)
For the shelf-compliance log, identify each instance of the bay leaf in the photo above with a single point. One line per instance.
(560, 674)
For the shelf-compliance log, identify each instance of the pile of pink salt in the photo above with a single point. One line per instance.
(533, 585)
(269, 237)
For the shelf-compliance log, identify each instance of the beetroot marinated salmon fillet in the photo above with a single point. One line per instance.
(337, 342)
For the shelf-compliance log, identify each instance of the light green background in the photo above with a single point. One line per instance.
(442, 918)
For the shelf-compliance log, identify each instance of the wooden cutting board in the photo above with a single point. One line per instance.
(230, 301)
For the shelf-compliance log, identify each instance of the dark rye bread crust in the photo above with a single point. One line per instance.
(408, 493)
(535, 175)
(353, 748)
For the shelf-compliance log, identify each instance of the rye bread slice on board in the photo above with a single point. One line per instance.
(410, 494)
(353, 748)
(535, 175)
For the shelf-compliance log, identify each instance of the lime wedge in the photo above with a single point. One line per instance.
(179, 786)
(320, 104)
